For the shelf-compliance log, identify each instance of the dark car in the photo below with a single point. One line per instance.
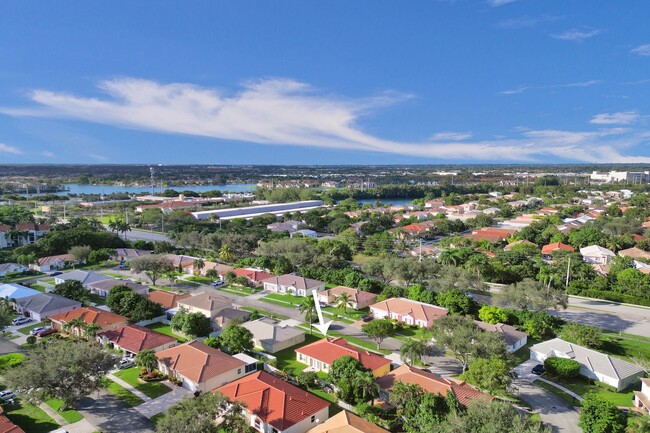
(54, 274)
(46, 332)
(366, 318)
(538, 369)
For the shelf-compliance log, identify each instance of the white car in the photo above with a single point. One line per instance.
(21, 320)
(124, 364)
(7, 395)
(39, 329)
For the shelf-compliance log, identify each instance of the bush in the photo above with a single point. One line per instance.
(562, 367)
(31, 340)
(307, 379)
(11, 360)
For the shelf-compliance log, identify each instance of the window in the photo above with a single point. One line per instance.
(274, 430)
(257, 423)
(239, 371)
(250, 367)
(313, 418)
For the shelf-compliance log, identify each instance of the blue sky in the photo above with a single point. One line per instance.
(328, 82)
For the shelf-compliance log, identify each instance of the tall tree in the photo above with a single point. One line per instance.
(146, 359)
(343, 301)
(531, 295)
(600, 416)
(80, 253)
(308, 309)
(153, 265)
(72, 290)
(492, 417)
(61, 369)
(412, 351)
(226, 254)
(378, 330)
(237, 339)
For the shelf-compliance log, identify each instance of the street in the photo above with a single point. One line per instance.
(111, 415)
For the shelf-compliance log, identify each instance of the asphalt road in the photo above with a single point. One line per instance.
(111, 415)
(552, 409)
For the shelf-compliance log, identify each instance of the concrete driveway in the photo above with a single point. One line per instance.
(111, 415)
(160, 404)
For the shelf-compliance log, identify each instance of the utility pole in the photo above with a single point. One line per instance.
(568, 271)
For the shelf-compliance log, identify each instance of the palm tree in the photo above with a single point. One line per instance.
(343, 301)
(412, 350)
(172, 277)
(365, 385)
(146, 359)
(225, 253)
(73, 325)
(212, 274)
(198, 266)
(308, 309)
(90, 330)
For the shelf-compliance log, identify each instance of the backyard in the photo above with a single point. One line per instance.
(150, 389)
(166, 329)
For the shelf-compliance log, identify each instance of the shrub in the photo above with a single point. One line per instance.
(31, 340)
(306, 379)
(11, 360)
(562, 367)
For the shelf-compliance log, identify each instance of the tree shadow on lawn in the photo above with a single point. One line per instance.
(110, 414)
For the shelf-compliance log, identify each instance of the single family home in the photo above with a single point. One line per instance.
(408, 311)
(200, 367)
(293, 284)
(105, 319)
(347, 422)
(208, 304)
(14, 292)
(46, 264)
(320, 354)
(549, 249)
(43, 305)
(10, 268)
(166, 299)
(270, 336)
(513, 338)
(357, 299)
(103, 287)
(86, 278)
(272, 405)
(133, 338)
(596, 254)
(642, 398)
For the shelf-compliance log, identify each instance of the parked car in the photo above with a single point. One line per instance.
(47, 331)
(39, 329)
(55, 273)
(366, 318)
(21, 320)
(7, 395)
(216, 283)
(322, 304)
(123, 364)
(538, 369)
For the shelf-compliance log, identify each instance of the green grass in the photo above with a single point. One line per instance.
(124, 394)
(96, 299)
(71, 416)
(48, 281)
(236, 292)
(275, 302)
(415, 332)
(583, 386)
(265, 313)
(26, 329)
(112, 274)
(287, 357)
(522, 355)
(199, 279)
(154, 419)
(38, 287)
(150, 389)
(163, 328)
(626, 347)
(289, 299)
(30, 418)
(553, 390)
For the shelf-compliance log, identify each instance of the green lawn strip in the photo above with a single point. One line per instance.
(354, 341)
(285, 298)
(114, 275)
(166, 329)
(608, 333)
(124, 394)
(265, 313)
(70, 415)
(38, 287)
(583, 386)
(26, 329)
(235, 292)
(324, 395)
(553, 390)
(150, 389)
(351, 314)
(198, 279)
(18, 279)
(522, 355)
(626, 347)
(30, 418)
(274, 302)
(49, 281)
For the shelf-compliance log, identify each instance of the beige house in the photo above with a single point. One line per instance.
(200, 367)
(357, 299)
(408, 311)
(205, 303)
(347, 422)
(272, 337)
(642, 398)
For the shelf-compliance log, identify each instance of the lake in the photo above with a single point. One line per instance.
(74, 188)
(393, 201)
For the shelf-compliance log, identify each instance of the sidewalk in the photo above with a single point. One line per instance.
(53, 414)
(561, 388)
(162, 403)
(123, 384)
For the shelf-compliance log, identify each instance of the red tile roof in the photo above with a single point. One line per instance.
(198, 362)
(166, 299)
(6, 426)
(355, 295)
(557, 246)
(253, 275)
(135, 338)
(90, 315)
(273, 400)
(328, 350)
(431, 383)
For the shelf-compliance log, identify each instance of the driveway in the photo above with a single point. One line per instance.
(160, 404)
(111, 415)
(8, 346)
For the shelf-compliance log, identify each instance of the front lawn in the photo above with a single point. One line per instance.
(289, 299)
(522, 355)
(150, 389)
(277, 302)
(71, 415)
(30, 418)
(198, 279)
(583, 386)
(124, 394)
(235, 291)
(287, 357)
(166, 329)
(26, 329)
(626, 347)
(39, 287)
(265, 313)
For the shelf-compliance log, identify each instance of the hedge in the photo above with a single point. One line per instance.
(562, 367)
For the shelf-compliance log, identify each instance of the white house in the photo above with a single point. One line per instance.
(513, 338)
(642, 398)
(270, 336)
(46, 264)
(84, 277)
(44, 305)
(594, 365)
(597, 255)
(9, 268)
(293, 284)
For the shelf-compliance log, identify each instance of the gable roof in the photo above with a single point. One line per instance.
(107, 285)
(407, 307)
(6, 426)
(635, 253)
(206, 301)
(166, 299)
(131, 253)
(135, 338)
(44, 302)
(220, 268)
(328, 350)
(590, 359)
(273, 400)
(355, 295)
(51, 259)
(90, 315)
(596, 251)
(268, 330)
(556, 246)
(430, 382)
(300, 283)
(510, 334)
(84, 277)
(198, 362)
(16, 291)
(347, 422)
(252, 274)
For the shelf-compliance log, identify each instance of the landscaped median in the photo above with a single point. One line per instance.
(150, 389)
(124, 394)
(70, 415)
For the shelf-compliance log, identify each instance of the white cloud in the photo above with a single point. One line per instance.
(287, 112)
(576, 35)
(452, 136)
(5, 148)
(47, 154)
(620, 118)
(514, 91)
(642, 50)
(526, 21)
(522, 89)
(496, 3)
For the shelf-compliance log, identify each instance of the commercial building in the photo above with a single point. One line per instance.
(249, 212)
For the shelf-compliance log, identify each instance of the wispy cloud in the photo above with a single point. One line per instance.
(526, 21)
(451, 136)
(522, 89)
(641, 50)
(47, 154)
(98, 157)
(5, 148)
(288, 112)
(576, 35)
(620, 118)
(495, 3)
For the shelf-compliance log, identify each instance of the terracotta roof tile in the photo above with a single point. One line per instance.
(166, 299)
(347, 422)
(418, 310)
(557, 246)
(90, 315)
(328, 350)
(198, 362)
(135, 338)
